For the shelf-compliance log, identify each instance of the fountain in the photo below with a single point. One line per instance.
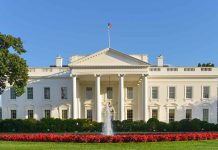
(107, 126)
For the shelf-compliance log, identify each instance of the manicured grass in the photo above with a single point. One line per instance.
(187, 145)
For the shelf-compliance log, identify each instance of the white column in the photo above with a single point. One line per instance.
(121, 97)
(69, 110)
(78, 100)
(74, 109)
(98, 98)
(167, 114)
(144, 97)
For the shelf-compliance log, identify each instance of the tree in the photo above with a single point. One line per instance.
(208, 64)
(13, 68)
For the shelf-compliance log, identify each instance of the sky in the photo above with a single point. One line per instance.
(185, 32)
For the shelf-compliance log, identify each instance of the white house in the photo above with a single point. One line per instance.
(135, 90)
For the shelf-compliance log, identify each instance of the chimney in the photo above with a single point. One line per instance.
(160, 60)
(59, 61)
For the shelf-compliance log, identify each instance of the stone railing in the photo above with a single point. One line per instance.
(183, 70)
(46, 71)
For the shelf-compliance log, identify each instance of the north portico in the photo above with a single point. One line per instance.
(109, 72)
(134, 89)
(101, 86)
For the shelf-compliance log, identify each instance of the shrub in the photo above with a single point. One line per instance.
(209, 127)
(162, 127)
(82, 125)
(139, 126)
(195, 125)
(185, 125)
(174, 126)
(127, 126)
(152, 124)
(117, 125)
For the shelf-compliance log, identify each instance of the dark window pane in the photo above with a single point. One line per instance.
(171, 115)
(109, 93)
(29, 93)
(30, 114)
(46, 93)
(89, 114)
(130, 114)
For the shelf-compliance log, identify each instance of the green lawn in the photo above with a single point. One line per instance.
(190, 145)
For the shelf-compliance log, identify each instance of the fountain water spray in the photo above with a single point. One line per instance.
(107, 126)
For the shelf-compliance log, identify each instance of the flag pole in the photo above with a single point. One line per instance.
(109, 26)
(109, 38)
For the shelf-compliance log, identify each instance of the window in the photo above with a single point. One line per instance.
(188, 114)
(30, 93)
(155, 113)
(89, 93)
(129, 92)
(109, 92)
(205, 114)
(89, 114)
(172, 92)
(47, 93)
(206, 92)
(129, 114)
(171, 115)
(64, 114)
(13, 93)
(154, 92)
(188, 92)
(13, 114)
(30, 114)
(47, 114)
(63, 92)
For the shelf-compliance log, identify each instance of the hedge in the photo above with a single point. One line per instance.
(83, 125)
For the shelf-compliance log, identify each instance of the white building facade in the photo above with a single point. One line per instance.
(134, 89)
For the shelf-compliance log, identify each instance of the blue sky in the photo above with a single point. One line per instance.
(185, 31)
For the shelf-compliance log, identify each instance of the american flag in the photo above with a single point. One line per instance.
(109, 25)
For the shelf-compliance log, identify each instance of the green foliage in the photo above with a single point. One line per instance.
(162, 127)
(174, 126)
(127, 126)
(83, 125)
(185, 125)
(152, 124)
(196, 125)
(139, 126)
(206, 65)
(13, 68)
(117, 125)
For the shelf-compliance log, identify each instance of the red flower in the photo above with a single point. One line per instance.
(96, 138)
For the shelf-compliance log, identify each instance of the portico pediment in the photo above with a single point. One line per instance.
(108, 57)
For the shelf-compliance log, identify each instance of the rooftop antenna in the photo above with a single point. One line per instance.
(109, 27)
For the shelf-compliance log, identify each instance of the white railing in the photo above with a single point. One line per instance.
(183, 69)
(49, 71)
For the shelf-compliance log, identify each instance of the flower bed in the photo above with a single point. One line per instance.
(96, 138)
